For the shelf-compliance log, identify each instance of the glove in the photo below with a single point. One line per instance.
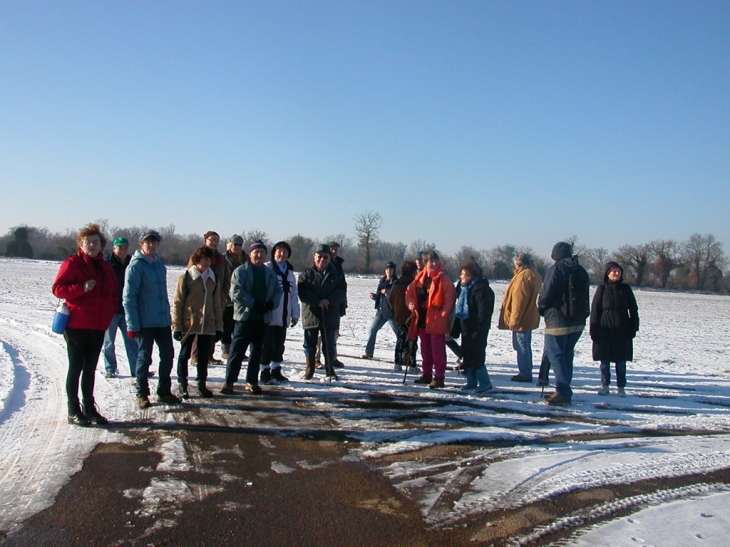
(132, 334)
(294, 321)
(268, 305)
(177, 335)
(218, 335)
(259, 307)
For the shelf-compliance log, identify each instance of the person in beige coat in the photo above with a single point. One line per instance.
(197, 316)
(519, 313)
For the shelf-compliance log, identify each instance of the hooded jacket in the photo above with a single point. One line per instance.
(614, 319)
(519, 306)
(146, 304)
(94, 309)
(552, 293)
(288, 308)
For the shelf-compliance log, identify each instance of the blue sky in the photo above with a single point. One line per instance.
(461, 123)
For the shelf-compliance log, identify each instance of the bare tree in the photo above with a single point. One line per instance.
(635, 259)
(367, 226)
(419, 245)
(702, 252)
(666, 259)
(594, 261)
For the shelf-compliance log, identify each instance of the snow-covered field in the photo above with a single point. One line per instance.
(505, 450)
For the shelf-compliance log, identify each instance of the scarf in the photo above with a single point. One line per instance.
(436, 293)
(462, 303)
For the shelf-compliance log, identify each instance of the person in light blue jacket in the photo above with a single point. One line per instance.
(147, 312)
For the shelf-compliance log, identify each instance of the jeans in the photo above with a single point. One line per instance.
(433, 352)
(274, 345)
(83, 347)
(620, 373)
(310, 342)
(146, 339)
(110, 356)
(522, 344)
(205, 342)
(375, 326)
(560, 350)
(246, 333)
(477, 377)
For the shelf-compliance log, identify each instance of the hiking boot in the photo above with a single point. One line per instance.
(337, 363)
(398, 367)
(77, 418)
(424, 379)
(367, 356)
(255, 389)
(603, 390)
(436, 383)
(311, 365)
(520, 378)
(621, 392)
(266, 376)
(556, 399)
(467, 387)
(278, 376)
(205, 393)
(318, 364)
(183, 389)
(215, 362)
(227, 389)
(481, 390)
(93, 416)
(143, 402)
(110, 374)
(225, 350)
(169, 399)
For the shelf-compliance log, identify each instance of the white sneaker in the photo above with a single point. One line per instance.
(603, 390)
(621, 392)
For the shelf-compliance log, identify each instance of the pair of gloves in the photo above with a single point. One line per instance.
(263, 307)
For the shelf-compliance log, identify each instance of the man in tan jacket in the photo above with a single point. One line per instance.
(519, 313)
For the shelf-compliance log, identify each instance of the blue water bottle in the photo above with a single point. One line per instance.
(60, 318)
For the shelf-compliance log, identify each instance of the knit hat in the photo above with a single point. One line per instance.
(235, 239)
(322, 249)
(285, 245)
(258, 244)
(150, 234)
(211, 233)
(562, 250)
(118, 242)
(390, 265)
(613, 266)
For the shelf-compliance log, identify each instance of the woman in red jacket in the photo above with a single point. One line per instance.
(432, 296)
(89, 286)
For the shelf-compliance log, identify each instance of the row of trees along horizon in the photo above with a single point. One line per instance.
(695, 264)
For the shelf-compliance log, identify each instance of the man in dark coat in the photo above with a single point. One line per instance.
(561, 332)
(322, 291)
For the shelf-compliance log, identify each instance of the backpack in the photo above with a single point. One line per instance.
(575, 300)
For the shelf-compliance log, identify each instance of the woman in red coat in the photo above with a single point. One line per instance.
(89, 286)
(432, 297)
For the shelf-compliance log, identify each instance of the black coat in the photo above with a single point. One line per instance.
(475, 328)
(614, 322)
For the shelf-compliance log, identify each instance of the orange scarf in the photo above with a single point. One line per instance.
(436, 293)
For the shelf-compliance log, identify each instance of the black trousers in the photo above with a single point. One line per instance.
(204, 343)
(83, 347)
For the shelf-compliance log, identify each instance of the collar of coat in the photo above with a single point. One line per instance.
(196, 274)
(436, 293)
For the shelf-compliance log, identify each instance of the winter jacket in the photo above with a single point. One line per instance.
(314, 286)
(338, 263)
(95, 309)
(397, 299)
(382, 302)
(474, 329)
(145, 293)
(196, 308)
(614, 321)
(233, 262)
(219, 265)
(519, 306)
(552, 295)
(119, 268)
(288, 307)
(242, 285)
(440, 300)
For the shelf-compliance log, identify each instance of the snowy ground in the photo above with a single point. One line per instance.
(456, 456)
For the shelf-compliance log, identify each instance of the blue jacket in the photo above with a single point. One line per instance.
(242, 290)
(551, 298)
(146, 304)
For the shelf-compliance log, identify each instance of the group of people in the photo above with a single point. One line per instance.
(248, 303)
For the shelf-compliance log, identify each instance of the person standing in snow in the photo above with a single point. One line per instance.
(432, 296)
(474, 309)
(235, 256)
(519, 313)
(405, 352)
(613, 325)
(147, 312)
(256, 292)
(89, 286)
(286, 314)
(119, 259)
(196, 315)
(383, 309)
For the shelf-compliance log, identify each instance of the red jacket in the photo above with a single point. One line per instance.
(94, 309)
(441, 300)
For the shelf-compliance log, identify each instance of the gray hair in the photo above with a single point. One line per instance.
(523, 259)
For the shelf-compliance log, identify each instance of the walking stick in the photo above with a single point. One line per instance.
(328, 366)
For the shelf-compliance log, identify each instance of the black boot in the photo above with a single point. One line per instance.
(76, 417)
(309, 372)
(92, 414)
(183, 389)
(330, 368)
(205, 393)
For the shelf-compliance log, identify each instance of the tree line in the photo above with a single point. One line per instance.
(698, 263)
